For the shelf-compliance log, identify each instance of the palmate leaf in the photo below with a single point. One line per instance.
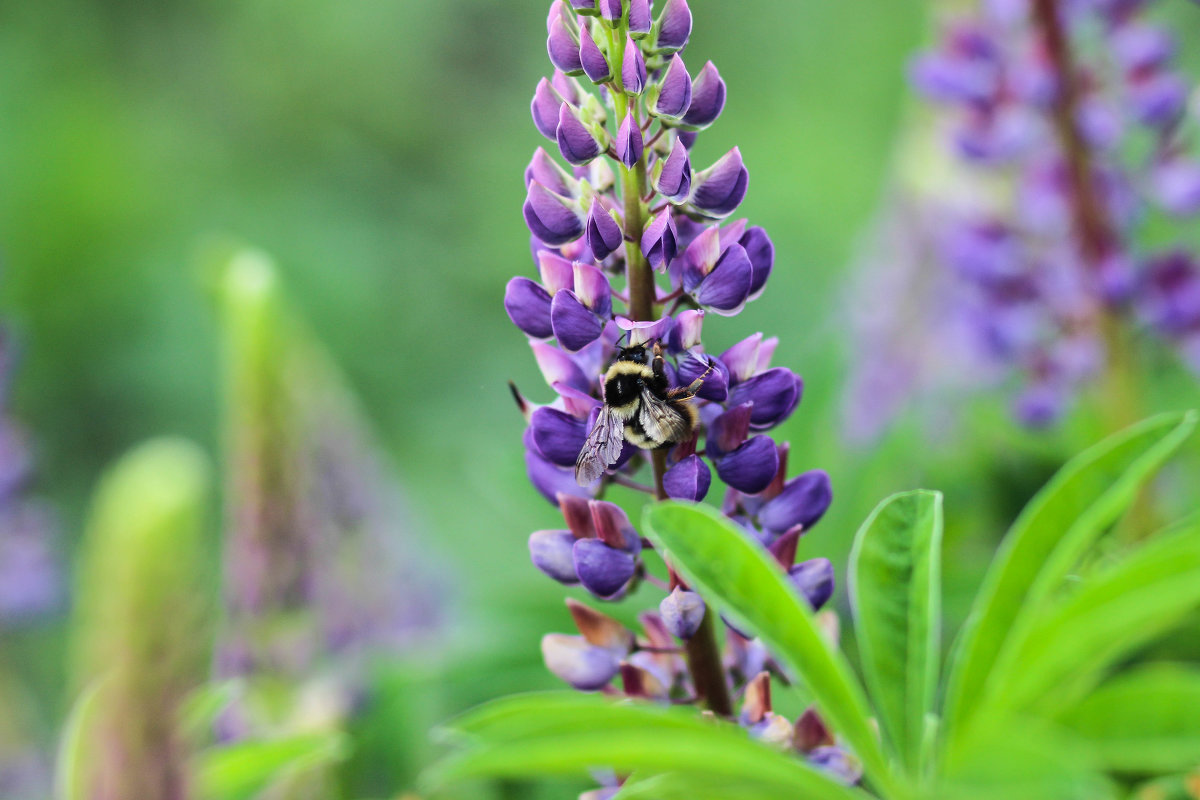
(894, 582)
(1114, 611)
(1046, 541)
(567, 733)
(1144, 721)
(738, 575)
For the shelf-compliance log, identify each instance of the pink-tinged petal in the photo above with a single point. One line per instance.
(708, 98)
(766, 352)
(774, 393)
(751, 466)
(658, 240)
(784, 547)
(718, 190)
(814, 580)
(545, 170)
(742, 358)
(600, 629)
(551, 552)
(568, 89)
(603, 232)
(686, 333)
(725, 289)
(558, 435)
(762, 257)
(574, 402)
(557, 272)
(674, 26)
(729, 430)
(575, 141)
(700, 257)
(552, 480)
(558, 367)
(639, 17)
(682, 612)
(551, 217)
(595, 65)
(563, 47)
(1176, 185)
(732, 232)
(575, 325)
(528, 306)
(603, 570)
(690, 479)
(584, 666)
(811, 732)
(578, 516)
(803, 502)
(613, 527)
(633, 68)
(544, 108)
(693, 364)
(645, 331)
(592, 289)
(674, 91)
(672, 175)
(629, 144)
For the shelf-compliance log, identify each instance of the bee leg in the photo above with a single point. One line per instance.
(695, 385)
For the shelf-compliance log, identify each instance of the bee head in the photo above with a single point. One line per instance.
(636, 354)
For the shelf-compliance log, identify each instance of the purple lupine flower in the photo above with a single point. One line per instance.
(1080, 108)
(593, 299)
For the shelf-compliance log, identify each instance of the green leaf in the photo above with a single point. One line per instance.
(738, 574)
(1145, 721)
(240, 771)
(1114, 612)
(894, 581)
(1048, 538)
(560, 733)
(77, 744)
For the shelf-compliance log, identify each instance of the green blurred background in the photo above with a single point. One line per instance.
(375, 150)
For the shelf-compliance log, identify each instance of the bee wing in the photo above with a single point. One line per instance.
(660, 421)
(602, 447)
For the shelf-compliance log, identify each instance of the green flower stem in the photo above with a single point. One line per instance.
(703, 652)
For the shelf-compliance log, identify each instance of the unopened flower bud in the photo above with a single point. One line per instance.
(673, 94)
(629, 141)
(603, 233)
(633, 68)
(708, 98)
(639, 18)
(682, 612)
(674, 26)
(595, 65)
(688, 480)
(551, 217)
(718, 190)
(751, 466)
(563, 47)
(658, 240)
(578, 142)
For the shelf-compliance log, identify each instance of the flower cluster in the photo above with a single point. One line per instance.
(632, 244)
(1076, 121)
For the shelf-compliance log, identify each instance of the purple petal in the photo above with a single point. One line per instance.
(544, 109)
(751, 466)
(658, 240)
(803, 502)
(687, 137)
(552, 480)
(551, 552)
(674, 26)
(633, 68)
(611, 10)
(716, 384)
(595, 65)
(814, 580)
(674, 91)
(708, 98)
(580, 664)
(762, 257)
(726, 288)
(603, 570)
(1176, 185)
(1158, 101)
(551, 217)
(948, 79)
(557, 366)
(613, 527)
(563, 48)
(639, 17)
(574, 324)
(583, 5)
(557, 272)
(686, 333)
(775, 394)
(603, 233)
(558, 435)
(576, 143)
(838, 763)
(700, 257)
(528, 306)
(574, 402)
(742, 358)
(719, 189)
(545, 170)
(592, 289)
(1141, 47)
(688, 480)
(729, 430)
(629, 141)
(682, 612)
(673, 175)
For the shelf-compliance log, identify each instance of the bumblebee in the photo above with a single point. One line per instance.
(639, 407)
